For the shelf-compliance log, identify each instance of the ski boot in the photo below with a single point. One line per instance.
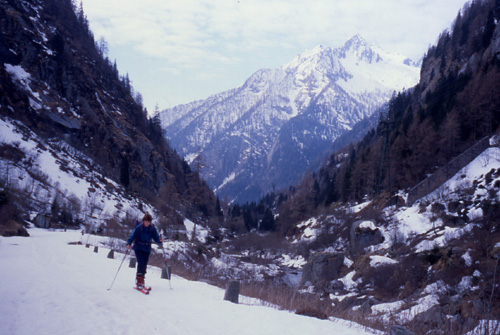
(139, 280)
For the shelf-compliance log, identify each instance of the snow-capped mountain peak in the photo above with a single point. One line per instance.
(280, 120)
(359, 48)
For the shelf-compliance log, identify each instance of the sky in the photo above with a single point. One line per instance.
(176, 52)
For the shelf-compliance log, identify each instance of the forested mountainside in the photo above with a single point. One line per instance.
(455, 104)
(57, 84)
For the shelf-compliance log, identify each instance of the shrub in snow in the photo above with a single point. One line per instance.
(312, 312)
(437, 208)
(10, 227)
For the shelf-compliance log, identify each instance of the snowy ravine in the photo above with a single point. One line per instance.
(52, 287)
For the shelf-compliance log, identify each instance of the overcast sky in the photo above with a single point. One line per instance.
(178, 51)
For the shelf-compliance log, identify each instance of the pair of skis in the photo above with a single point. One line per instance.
(143, 289)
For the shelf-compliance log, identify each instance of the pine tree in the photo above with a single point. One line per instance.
(218, 209)
(489, 29)
(125, 172)
(267, 223)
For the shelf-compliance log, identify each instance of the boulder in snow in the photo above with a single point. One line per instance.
(322, 268)
(232, 291)
(132, 262)
(12, 228)
(363, 234)
(42, 221)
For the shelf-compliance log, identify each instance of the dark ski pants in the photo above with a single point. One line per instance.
(142, 260)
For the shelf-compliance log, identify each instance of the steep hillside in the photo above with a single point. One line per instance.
(58, 86)
(455, 104)
(268, 132)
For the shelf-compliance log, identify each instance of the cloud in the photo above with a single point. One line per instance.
(233, 35)
(184, 32)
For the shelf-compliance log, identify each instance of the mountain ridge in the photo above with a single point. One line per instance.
(284, 116)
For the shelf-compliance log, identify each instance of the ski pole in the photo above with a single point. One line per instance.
(124, 256)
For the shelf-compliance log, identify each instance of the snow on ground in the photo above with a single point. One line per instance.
(485, 327)
(20, 75)
(399, 312)
(311, 230)
(368, 224)
(381, 260)
(52, 287)
(419, 218)
(348, 281)
(443, 237)
(64, 169)
(195, 231)
(359, 207)
(386, 308)
(463, 179)
(296, 262)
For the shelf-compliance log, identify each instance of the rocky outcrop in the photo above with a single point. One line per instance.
(364, 233)
(42, 221)
(12, 228)
(322, 268)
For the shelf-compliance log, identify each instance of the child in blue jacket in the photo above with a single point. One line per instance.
(142, 236)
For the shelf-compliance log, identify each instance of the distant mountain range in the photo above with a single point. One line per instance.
(266, 133)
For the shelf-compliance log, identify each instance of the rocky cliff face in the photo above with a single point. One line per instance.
(268, 132)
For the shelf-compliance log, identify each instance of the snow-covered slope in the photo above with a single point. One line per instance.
(52, 287)
(447, 224)
(83, 130)
(270, 130)
(53, 172)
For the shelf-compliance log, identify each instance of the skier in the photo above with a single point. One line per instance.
(142, 236)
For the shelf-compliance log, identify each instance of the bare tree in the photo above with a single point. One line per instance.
(199, 163)
(102, 47)
(450, 133)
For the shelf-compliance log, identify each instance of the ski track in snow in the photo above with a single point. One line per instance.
(51, 287)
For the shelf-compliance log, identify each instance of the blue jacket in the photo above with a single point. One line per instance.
(142, 236)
